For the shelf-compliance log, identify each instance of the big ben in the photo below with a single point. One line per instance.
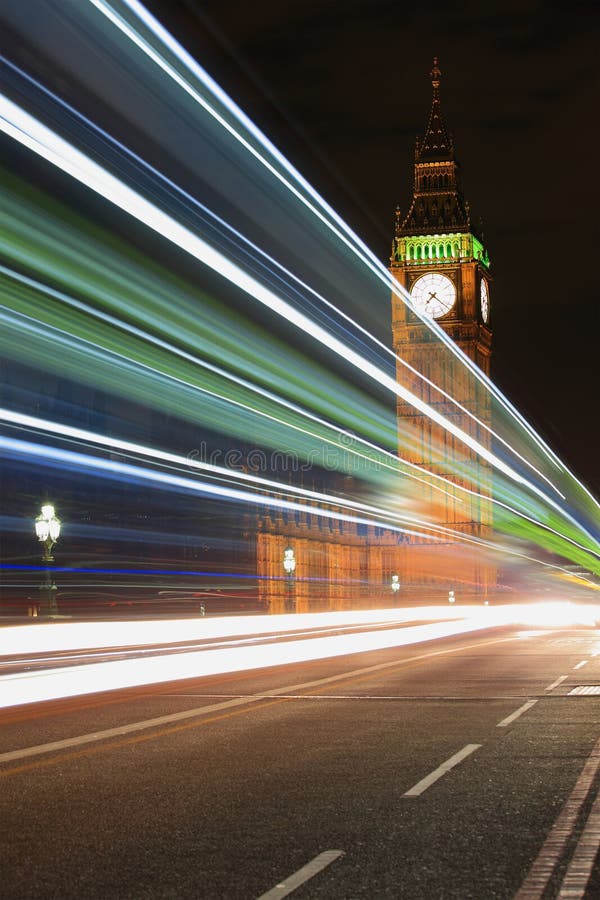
(440, 260)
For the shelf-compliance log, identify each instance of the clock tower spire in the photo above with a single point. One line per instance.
(437, 204)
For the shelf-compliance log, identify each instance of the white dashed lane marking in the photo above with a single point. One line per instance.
(557, 682)
(518, 712)
(421, 786)
(311, 869)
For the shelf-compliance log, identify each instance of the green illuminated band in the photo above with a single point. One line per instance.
(428, 249)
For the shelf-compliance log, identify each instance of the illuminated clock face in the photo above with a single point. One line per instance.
(484, 299)
(433, 295)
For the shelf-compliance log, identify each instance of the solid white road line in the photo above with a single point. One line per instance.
(312, 868)
(518, 712)
(581, 664)
(557, 682)
(426, 782)
(578, 874)
(121, 730)
(200, 711)
(534, 886)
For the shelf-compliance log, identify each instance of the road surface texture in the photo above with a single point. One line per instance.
(458, 768)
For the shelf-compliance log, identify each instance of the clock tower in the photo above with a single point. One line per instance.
(439, 258)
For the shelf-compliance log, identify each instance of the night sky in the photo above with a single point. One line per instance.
(343, 90)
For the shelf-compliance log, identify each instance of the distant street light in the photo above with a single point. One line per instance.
(289, 567)
(47, 529)
(395, 583)
(289, 561)
(451, 597)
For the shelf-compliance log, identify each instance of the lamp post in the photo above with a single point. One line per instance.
(289, 567)
(395, 585)
(47, 529)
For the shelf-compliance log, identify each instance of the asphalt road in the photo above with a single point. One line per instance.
(344, 755)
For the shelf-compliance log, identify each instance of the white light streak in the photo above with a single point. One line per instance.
(386, 458)
(384, 516)
(31, 133)
(154, 453)
(74, 681)
(352, 241)
(115, 675)
(131, 472)
(289, 274)
(63, 636)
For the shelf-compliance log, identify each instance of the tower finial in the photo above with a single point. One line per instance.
(435, 73)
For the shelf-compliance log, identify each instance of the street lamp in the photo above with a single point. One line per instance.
(289, 567)
(395, 583)
(289, 561)
(47, 529)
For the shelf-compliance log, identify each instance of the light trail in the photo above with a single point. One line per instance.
(53, 659)
(380, 516)
(530, 519)
(81, 435)
(167, 40)
(352, 241)
(286, 272)
(72, 681)
(116, 675)
(559, 534)
(154, 453)
(69, 636)
(385, 458)
(82, 461)
(461, 489)
(27, 130)
(419, 522)
(131, 472)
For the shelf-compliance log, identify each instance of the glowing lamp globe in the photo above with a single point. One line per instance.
(47, 526)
